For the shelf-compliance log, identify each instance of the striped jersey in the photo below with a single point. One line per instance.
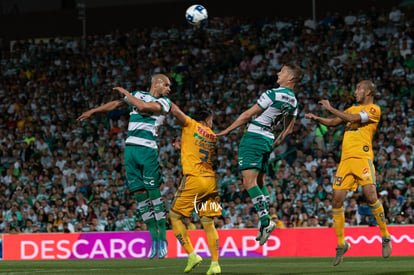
(357, 141)
(143, 128)
(276, 103)
(198, 146)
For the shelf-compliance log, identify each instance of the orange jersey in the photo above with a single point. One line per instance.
(357, 142)
(198, 146)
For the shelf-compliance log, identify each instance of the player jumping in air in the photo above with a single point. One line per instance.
(356, 167)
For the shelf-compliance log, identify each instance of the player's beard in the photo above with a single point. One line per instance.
(362, 99)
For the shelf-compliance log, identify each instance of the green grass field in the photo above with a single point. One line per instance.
(351, 265)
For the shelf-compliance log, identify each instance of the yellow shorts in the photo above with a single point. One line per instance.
(354, 172)
(197, 194)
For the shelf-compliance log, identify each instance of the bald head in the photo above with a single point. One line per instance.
(158, 79)
(160, 85)
(368, 85)
(364, 92)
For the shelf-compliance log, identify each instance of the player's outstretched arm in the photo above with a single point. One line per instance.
(342, 115)
(145, 107)
(178, 114)
(330, 122)
(242, 119)
(112, 105)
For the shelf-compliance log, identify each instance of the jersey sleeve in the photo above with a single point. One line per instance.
(165, 104)
(264, 100)
(188, 121)
(126, 100)
(374, 113)
(295, 112)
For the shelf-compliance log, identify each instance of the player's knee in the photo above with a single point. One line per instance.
(371, 197)
(337, 203)
(372, 200)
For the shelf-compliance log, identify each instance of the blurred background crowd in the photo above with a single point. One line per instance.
(58, 174)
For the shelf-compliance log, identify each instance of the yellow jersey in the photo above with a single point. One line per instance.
(357, 142)
(198, 146)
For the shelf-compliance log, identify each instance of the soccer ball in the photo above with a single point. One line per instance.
(196, 14)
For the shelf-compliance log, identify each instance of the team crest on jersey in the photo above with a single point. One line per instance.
(365, 172)
(365, 148)
(372, 110)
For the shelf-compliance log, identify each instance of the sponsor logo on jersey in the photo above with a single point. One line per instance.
(365, 148)
(365, 172)
(205, 134)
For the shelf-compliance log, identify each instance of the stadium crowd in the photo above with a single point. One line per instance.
(62, 175)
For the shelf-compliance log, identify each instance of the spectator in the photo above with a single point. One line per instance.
(395, 15)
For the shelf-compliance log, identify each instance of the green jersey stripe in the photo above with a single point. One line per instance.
(142, 127)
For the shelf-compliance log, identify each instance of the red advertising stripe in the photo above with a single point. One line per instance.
(301, 242)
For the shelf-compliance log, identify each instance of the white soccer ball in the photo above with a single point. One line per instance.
(196, 14)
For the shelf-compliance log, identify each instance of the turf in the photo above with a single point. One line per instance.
(297, 265)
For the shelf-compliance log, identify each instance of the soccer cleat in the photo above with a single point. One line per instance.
(259, 235)
(340, 251)
(214, 269)
(193, 261)
(162, 249)
(386, 247)
(265, 232)
(154, 249)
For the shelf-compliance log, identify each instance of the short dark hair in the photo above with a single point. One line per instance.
(202, 113)
(296, 71)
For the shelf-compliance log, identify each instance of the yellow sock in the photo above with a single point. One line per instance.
(378, 211)
(339, 224)
(212, 238)
(181, 234)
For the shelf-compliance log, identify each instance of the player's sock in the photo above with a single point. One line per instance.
(212, 237)
(265, 192)
(159, 212)
(339, 224)
(147, 214)
(260, 204)
(378, 211)
(181, 233)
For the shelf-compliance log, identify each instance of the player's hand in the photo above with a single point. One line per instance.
(85, 115)
(325, 103)
(222, 133)
(121, 90)
(310, 116)
(176, 142)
